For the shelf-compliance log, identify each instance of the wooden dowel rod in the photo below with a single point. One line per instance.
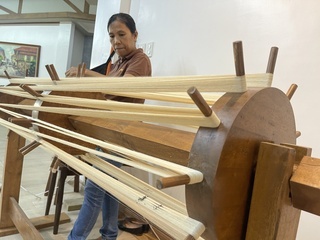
(83, 69)
(173, 181)
(49, 70)
(298, 134)
(272, 60)
(7, 74)
(30, 90)
(28, 148)
(134, 182)
(54, 72)
(78, 71)
(291, 90)
(199, 101)
(238, 58)
(21, 121)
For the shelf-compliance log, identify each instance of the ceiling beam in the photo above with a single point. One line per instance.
(74, 7)
(20, 6)
(92, 2)
(45, 17)
(6, 10)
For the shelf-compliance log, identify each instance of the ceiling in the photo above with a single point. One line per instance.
(83, 14)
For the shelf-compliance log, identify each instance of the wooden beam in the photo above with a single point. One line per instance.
(38, 222)
(305, 185)
(170, 144)
(272, 216)
(74, 7)
(86, 7)
(11, 177)
(92, 2)
(20, 6)
(7, 10)
(44, 17)
(21, 221)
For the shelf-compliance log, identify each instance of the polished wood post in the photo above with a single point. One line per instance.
(12, 218)
(11, 177)
(272, 215)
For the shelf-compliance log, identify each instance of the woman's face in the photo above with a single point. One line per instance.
(121, 39)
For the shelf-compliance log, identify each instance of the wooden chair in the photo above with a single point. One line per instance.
(58, 166)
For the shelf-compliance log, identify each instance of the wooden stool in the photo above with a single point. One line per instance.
(65, 171)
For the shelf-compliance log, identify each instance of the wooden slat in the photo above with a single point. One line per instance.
(171, 144)
(305, 185)
(272, 216)
(7, 10)
(301, 152)
(74, 7)
(20, 6)
(11, 177)
(21, 221)
(38, 222)
(49, 16)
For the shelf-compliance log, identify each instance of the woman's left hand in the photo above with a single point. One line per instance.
(72, 72)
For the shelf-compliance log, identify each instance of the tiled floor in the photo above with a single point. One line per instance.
(32, 199)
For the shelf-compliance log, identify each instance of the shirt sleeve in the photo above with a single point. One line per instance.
(139, 66)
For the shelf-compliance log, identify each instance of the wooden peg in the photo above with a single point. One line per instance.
(272, 60)
(55, 74)
(30, 90)
(28, 148)
(7, 74)
(21, 122)
(292, 90)
(172, 181)
(199, 101)
(81, 70)
(50, 72)
(238, 58)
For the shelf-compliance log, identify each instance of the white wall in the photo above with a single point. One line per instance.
(61, 43)
(195, 37)
(54, 40)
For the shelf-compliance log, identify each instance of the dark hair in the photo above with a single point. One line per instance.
(126, 19)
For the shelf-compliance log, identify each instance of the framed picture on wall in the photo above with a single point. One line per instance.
(19, 60)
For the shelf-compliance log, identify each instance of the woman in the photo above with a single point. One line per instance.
(132, 62)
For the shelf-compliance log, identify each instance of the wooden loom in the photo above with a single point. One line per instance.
(246, 178)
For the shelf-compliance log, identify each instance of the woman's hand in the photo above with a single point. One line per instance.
(72, 72)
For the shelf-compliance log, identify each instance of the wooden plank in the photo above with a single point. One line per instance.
(20, 6)
(11, 177)
(305, 185)
(74, 7)
(22, 223)
(301, 152)
(162, 142)
(44, 17)
(272, 216)
(7, 10)
(38, 222)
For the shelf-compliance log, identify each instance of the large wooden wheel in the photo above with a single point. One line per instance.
(227, 157)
